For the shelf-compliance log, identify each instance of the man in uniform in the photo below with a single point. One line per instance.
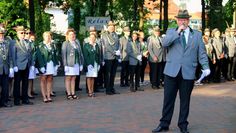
(23, 62)
(185, 50)
(110, 42)
(124, 75)
(6, 67)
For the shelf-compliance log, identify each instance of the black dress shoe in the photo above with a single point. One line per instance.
(16, 103)
(34, 93)
(184, 130)
(115, 92)
(109, 93)
(6, 105)
(122, 85)
(160, 129)
(27, 102)
(31, 97)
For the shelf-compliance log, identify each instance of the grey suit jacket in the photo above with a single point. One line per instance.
(69, 55)
(22, 57)
(218, 46)
(184, 59)
(132, 53)
(6, 51)
(155, 49)
(109, 49)
(123, 46)
(231, 46)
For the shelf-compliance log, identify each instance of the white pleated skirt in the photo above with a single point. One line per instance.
(73, 70)
(93, 72)
(50, 69)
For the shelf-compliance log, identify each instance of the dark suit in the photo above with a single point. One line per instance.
(179, 73)
(5, 64)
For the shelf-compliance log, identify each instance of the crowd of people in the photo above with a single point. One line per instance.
(22, 60)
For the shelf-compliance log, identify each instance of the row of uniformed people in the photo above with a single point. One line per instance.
(151, 51)
(221, 52)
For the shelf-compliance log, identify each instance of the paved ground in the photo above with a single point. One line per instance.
(212, 111)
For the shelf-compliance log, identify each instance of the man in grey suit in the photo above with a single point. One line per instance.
(185, 50)
(155, 58)
(22, 59)
(124, 40)
(110, 43)
(6, 67)
(231, 48)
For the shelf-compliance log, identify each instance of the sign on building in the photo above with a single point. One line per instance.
(98, 22)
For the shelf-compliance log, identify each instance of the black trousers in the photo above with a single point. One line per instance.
(231, 67)
(155, 72)
(171, 87)
(110, 74)
(124, 75)
(5, 88)
(100, 79)
(21, 77)
(218, 69)
(134, 74)
(143, 67)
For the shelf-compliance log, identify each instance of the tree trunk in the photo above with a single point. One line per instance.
(110, 9)
(135, 14)
(102, 7)
(31, 15)
(77, 18)
(165, 15)
(160, 18)
(203, 15)
(141, 14)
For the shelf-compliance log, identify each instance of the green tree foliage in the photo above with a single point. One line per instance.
(13, 13)
(228, 12)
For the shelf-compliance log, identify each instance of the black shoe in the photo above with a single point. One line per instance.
(122, 85)
(17, 103)
(53, 95)
(97, 90)
(6, 105)
(155, 87)
(34, 93)
(184, 130)
(115, 92)
(27, 102)
(160, 129)
(31, 97)
(127, 85)
(140, 89)
(109, 93)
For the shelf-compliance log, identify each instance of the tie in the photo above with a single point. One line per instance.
(183, 39)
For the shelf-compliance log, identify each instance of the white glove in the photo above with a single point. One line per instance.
(139, 57)
(103, 63)
(206, 72)
(11, 73)
(15, 69)
(66, 69)
(117, 52)
(80, 67)
(32, 68)
(98, 67)
(90, 67)
(119, 60)
(42, 69)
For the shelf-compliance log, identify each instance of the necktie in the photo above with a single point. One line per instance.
(183, 39)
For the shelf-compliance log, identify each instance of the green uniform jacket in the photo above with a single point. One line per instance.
(43, 55)
(91, 55)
